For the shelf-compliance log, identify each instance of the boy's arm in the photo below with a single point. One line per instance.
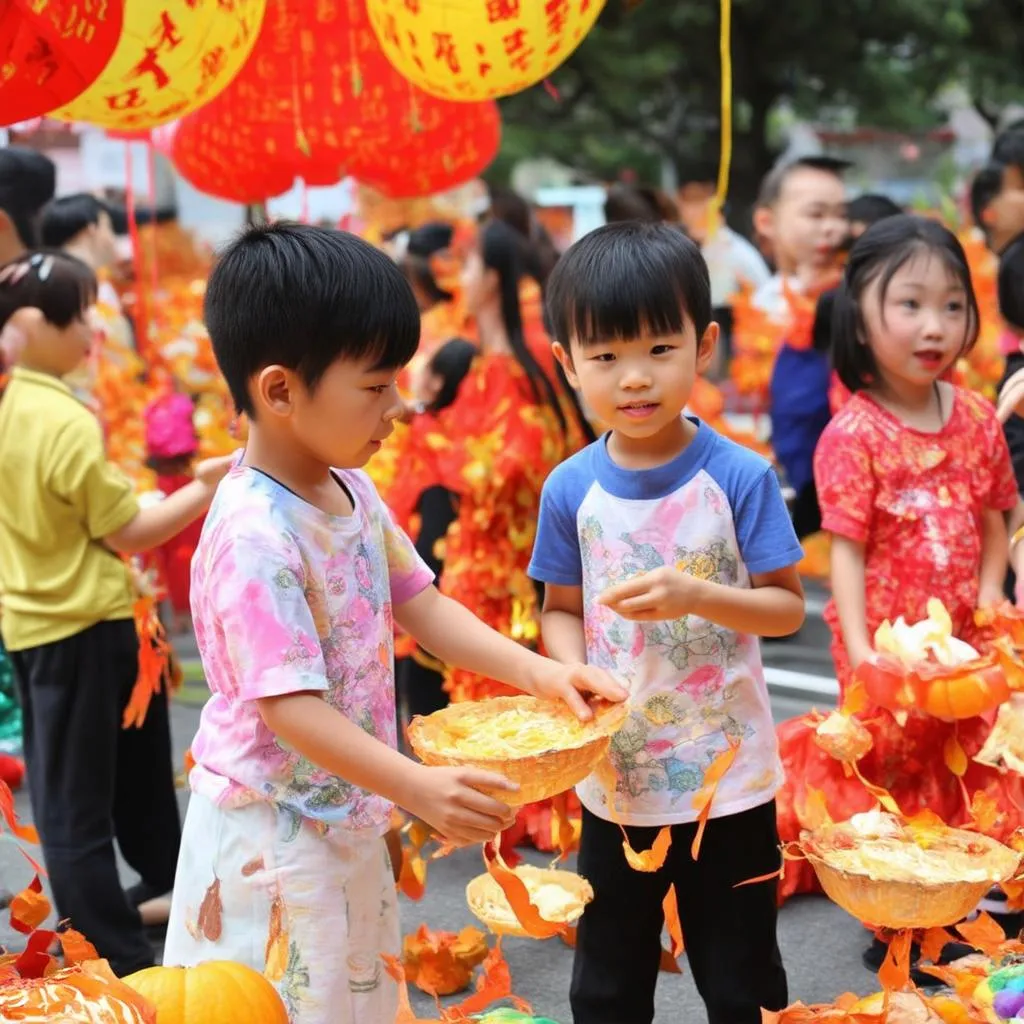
(456, 636)
(561, 623)
(772, 606)
(446, 798)
(153, 526)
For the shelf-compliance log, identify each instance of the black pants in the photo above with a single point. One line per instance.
(729, 933)
(90, 781)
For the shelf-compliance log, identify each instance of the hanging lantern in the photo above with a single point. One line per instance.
(479, 49)
(224, 161)
(431, 147)
(51, 51)
(173, 57)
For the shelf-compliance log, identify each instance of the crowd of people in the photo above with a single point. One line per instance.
(473, 467)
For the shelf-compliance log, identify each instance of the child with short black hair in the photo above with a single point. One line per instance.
(665, 551)
(66, 518)
(299, 579)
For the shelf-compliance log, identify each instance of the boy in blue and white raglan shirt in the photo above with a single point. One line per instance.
(665, 551)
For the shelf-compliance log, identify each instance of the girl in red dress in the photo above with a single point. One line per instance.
(914, 477)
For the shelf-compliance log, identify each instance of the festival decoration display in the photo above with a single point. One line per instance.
(925, 668)
(215, 992)
(540, 745)
(173, 56)
(51, 51)
(483, 49)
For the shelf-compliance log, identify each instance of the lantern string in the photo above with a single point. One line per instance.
(141, 312)
(725, 157)
(154, 271)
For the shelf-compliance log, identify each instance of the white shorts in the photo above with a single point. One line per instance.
(333, 898)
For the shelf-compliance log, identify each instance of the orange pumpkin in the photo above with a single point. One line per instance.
(216, 992)
(949, 692)
(88, 994)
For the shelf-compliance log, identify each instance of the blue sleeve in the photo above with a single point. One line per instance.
(556, 551)
(764, 529)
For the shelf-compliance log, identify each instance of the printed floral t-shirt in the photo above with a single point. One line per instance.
(714, 511)
(287, 598)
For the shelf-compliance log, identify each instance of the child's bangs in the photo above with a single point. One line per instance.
(628, 305)
(385, 336)
(61, 287)
(956, 268)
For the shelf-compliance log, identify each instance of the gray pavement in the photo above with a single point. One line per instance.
(820, 943)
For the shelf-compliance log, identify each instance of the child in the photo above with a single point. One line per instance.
(914, 478)
(66, 517)
(171, 445)
(997, 204)
(866, 210)
(665, 551)
(801, 211)
(298, 581)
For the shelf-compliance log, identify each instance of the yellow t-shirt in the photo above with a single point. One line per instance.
(58, 498)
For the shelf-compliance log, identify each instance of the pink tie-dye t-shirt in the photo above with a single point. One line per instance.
(287, 598)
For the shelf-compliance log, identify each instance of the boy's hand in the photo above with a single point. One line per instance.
(1011, 398)
(660, 595)
(551, 680)
(211, 471)
(449, 799)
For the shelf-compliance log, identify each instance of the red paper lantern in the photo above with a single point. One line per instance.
(319, 100)
(439, 146)
(223, 161)
(51, 51)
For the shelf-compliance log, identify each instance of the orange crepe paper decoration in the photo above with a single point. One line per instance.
(518, 896)
(30, 908)
(706, 794)
(442, 963)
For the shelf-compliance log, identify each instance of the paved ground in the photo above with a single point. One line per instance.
(821, 944)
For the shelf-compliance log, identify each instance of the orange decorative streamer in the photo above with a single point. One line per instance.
(705, 796)
(30, 908)
(518, 897)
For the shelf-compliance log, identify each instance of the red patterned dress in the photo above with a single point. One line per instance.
(915, 500)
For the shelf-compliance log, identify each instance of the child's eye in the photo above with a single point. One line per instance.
(955, 307)
(910, 304)
(660, 350)
(603, 357)
(379, 389)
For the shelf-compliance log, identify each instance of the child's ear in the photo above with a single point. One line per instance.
(764, 222)
(706, 347)
(566, 360)
(273, 390)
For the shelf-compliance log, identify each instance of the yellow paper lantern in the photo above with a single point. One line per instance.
(476, 50)
(173, 56)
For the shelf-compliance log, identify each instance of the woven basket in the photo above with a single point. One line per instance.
(539, 775)
(899, 904)
(488, 904)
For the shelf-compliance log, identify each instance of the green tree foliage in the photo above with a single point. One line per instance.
(644, 86)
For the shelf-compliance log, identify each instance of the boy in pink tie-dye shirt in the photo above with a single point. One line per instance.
(297, 583)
